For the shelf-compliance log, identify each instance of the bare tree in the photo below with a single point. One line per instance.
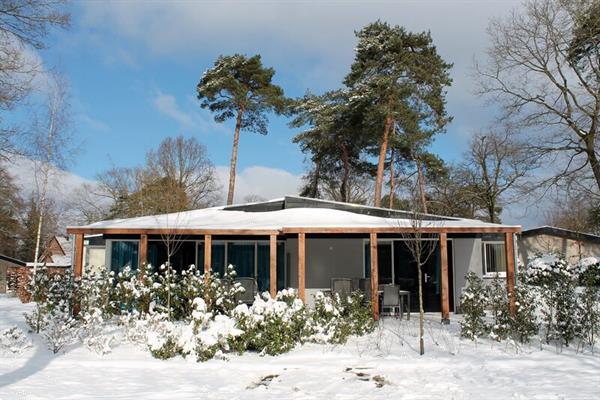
(24, 25)
(51, 142)
(546, 89)
(497, 169)
(421, 246)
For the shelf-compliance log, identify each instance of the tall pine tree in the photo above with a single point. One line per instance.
(240, 87)
(402, 79)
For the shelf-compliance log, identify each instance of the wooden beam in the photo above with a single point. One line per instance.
(78, 261)
(510, 271)
(171, 231)
(301, 267)
(207, 254)
(445, 295)
(143, 261)
(273, 265)
(268, 232)
(367, 230)
(374, 277)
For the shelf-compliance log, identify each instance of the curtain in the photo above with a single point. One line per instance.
(263, 257)
(217, 263)
(123, 253)
(241, 256)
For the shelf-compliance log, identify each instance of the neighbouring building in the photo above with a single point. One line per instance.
(304, 243)
(7, 264)
(548, 239)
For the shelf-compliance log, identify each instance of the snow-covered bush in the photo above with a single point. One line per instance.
(39, 287)
(524, 324)
(335, 318)
(271, 325)
(589, 271)
(60, 328)
(13, 341)
(473, 303)
(498, 304)
(555, 280)
(589, 302)
(220, 293)
(91, 330)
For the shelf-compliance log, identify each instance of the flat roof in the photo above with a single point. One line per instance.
(291, 213)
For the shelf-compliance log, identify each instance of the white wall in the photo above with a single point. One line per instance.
(468, 257)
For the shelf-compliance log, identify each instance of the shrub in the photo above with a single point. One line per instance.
(271, 326)
(555, 280)
(524, 324)
(473, 302)
(335, 318)
(497, 296)
(13, 341)
(589, 305)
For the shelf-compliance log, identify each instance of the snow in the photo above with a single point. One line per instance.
(219, 218)
(450, 369)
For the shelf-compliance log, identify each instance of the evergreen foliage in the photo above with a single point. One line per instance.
(473, 303)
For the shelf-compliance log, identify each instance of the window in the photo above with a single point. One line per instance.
(123, 253)
(494, 258)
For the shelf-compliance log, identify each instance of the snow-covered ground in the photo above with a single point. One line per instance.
(383, 365)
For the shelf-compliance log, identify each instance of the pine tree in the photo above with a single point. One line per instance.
(240, 87)
(401, 78)
(334, 140)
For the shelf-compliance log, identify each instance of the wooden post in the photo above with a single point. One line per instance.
(143, 261)
(510, 271)
(301, 267)
(207, 254)
(374, 277)
(273, 265)
(78, 261)
(444, 278)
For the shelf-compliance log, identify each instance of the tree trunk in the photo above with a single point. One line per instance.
(381, 161)
(392, 181)
(421, 184)
(346, 174)
(234, 152)
(421, 310)
(593, 158)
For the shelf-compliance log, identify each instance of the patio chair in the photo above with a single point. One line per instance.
(251, 288)
(364, 285)
(341, 286)
(391, 299)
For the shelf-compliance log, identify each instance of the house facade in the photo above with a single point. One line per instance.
(549, 239)
(305, 243)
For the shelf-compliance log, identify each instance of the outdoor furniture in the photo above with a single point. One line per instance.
(391, 299)
(364, 285)
(341, 286)
(404, 294)
(250, 289)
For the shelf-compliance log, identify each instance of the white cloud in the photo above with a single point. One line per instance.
(268, 183)
(167, 105)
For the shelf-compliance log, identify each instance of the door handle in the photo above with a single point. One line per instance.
(426, 277)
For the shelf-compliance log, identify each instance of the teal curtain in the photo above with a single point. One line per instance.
(241, 256)
(280, 266)
(263, 267)
(123, 253)
(217, 263)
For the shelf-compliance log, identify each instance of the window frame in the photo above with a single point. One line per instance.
(486, 273)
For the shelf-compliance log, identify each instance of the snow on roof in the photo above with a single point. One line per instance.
(219, 218)
(65, 244)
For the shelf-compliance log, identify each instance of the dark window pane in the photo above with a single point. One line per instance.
(241, 256)
(123, 253)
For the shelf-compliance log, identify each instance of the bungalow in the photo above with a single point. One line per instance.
(305, 243)
(548, 239)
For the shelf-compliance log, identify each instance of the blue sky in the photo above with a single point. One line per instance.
(133, 68)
